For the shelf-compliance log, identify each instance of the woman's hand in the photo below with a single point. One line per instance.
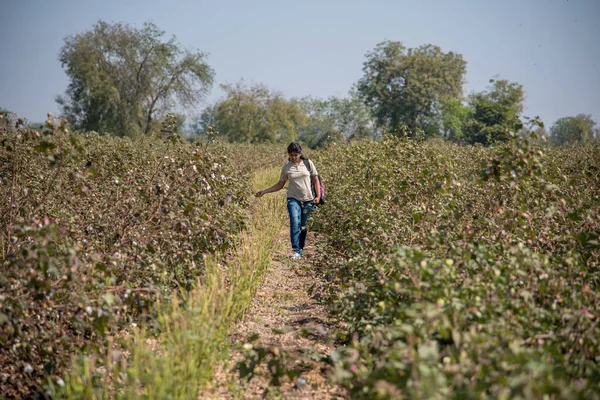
(274, 188)
(316, 200)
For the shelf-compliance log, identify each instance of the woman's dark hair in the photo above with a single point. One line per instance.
(295, 147)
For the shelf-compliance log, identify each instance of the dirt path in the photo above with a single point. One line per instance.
(286, 320)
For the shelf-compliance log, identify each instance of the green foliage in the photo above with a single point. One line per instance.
(454, 117)
(255, 114)
(464, 272)
(335, 120)
(495, 113)
(203, 124)
(192, 338)
(404, 86)
(579, 129)
(5, 118)
(275, 361)
(123, 79)
(95, 230)
(321, 128)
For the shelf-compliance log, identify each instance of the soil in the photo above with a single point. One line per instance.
(288, 322)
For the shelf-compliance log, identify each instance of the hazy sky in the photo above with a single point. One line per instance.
(318, 47)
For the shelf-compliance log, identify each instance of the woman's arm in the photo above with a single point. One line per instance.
(317, 185)
(278, 186)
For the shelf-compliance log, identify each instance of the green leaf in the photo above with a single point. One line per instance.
(44, 146)
(109, 298)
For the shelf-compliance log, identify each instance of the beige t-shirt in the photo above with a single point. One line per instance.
(299, 186)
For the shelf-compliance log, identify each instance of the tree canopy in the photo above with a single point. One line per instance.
(405, 86)
(494, 113)
(205, 122)
(579, 129)
(254, 113)
(335, 119)
(5, 117)
(455, 115)
(123, 79)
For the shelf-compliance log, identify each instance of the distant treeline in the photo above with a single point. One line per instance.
(124, 81)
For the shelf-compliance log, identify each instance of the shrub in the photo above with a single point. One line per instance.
(464, 271)
(95, 229)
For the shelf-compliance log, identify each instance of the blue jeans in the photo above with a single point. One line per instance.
(299, 214)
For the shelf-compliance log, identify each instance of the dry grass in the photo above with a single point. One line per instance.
(194, 326)
(283, 316)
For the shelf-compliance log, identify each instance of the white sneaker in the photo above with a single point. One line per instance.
(296, 256)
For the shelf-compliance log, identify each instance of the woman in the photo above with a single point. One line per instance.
(300, 199)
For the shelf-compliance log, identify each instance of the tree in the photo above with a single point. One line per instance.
(335, 119)
(454, 117)
(124, 79)
(579, 129)
(353, 118)
(320, 128)
(6, 118)
(406, 86)
(256, 114)
(207, 118)
(494, 113)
